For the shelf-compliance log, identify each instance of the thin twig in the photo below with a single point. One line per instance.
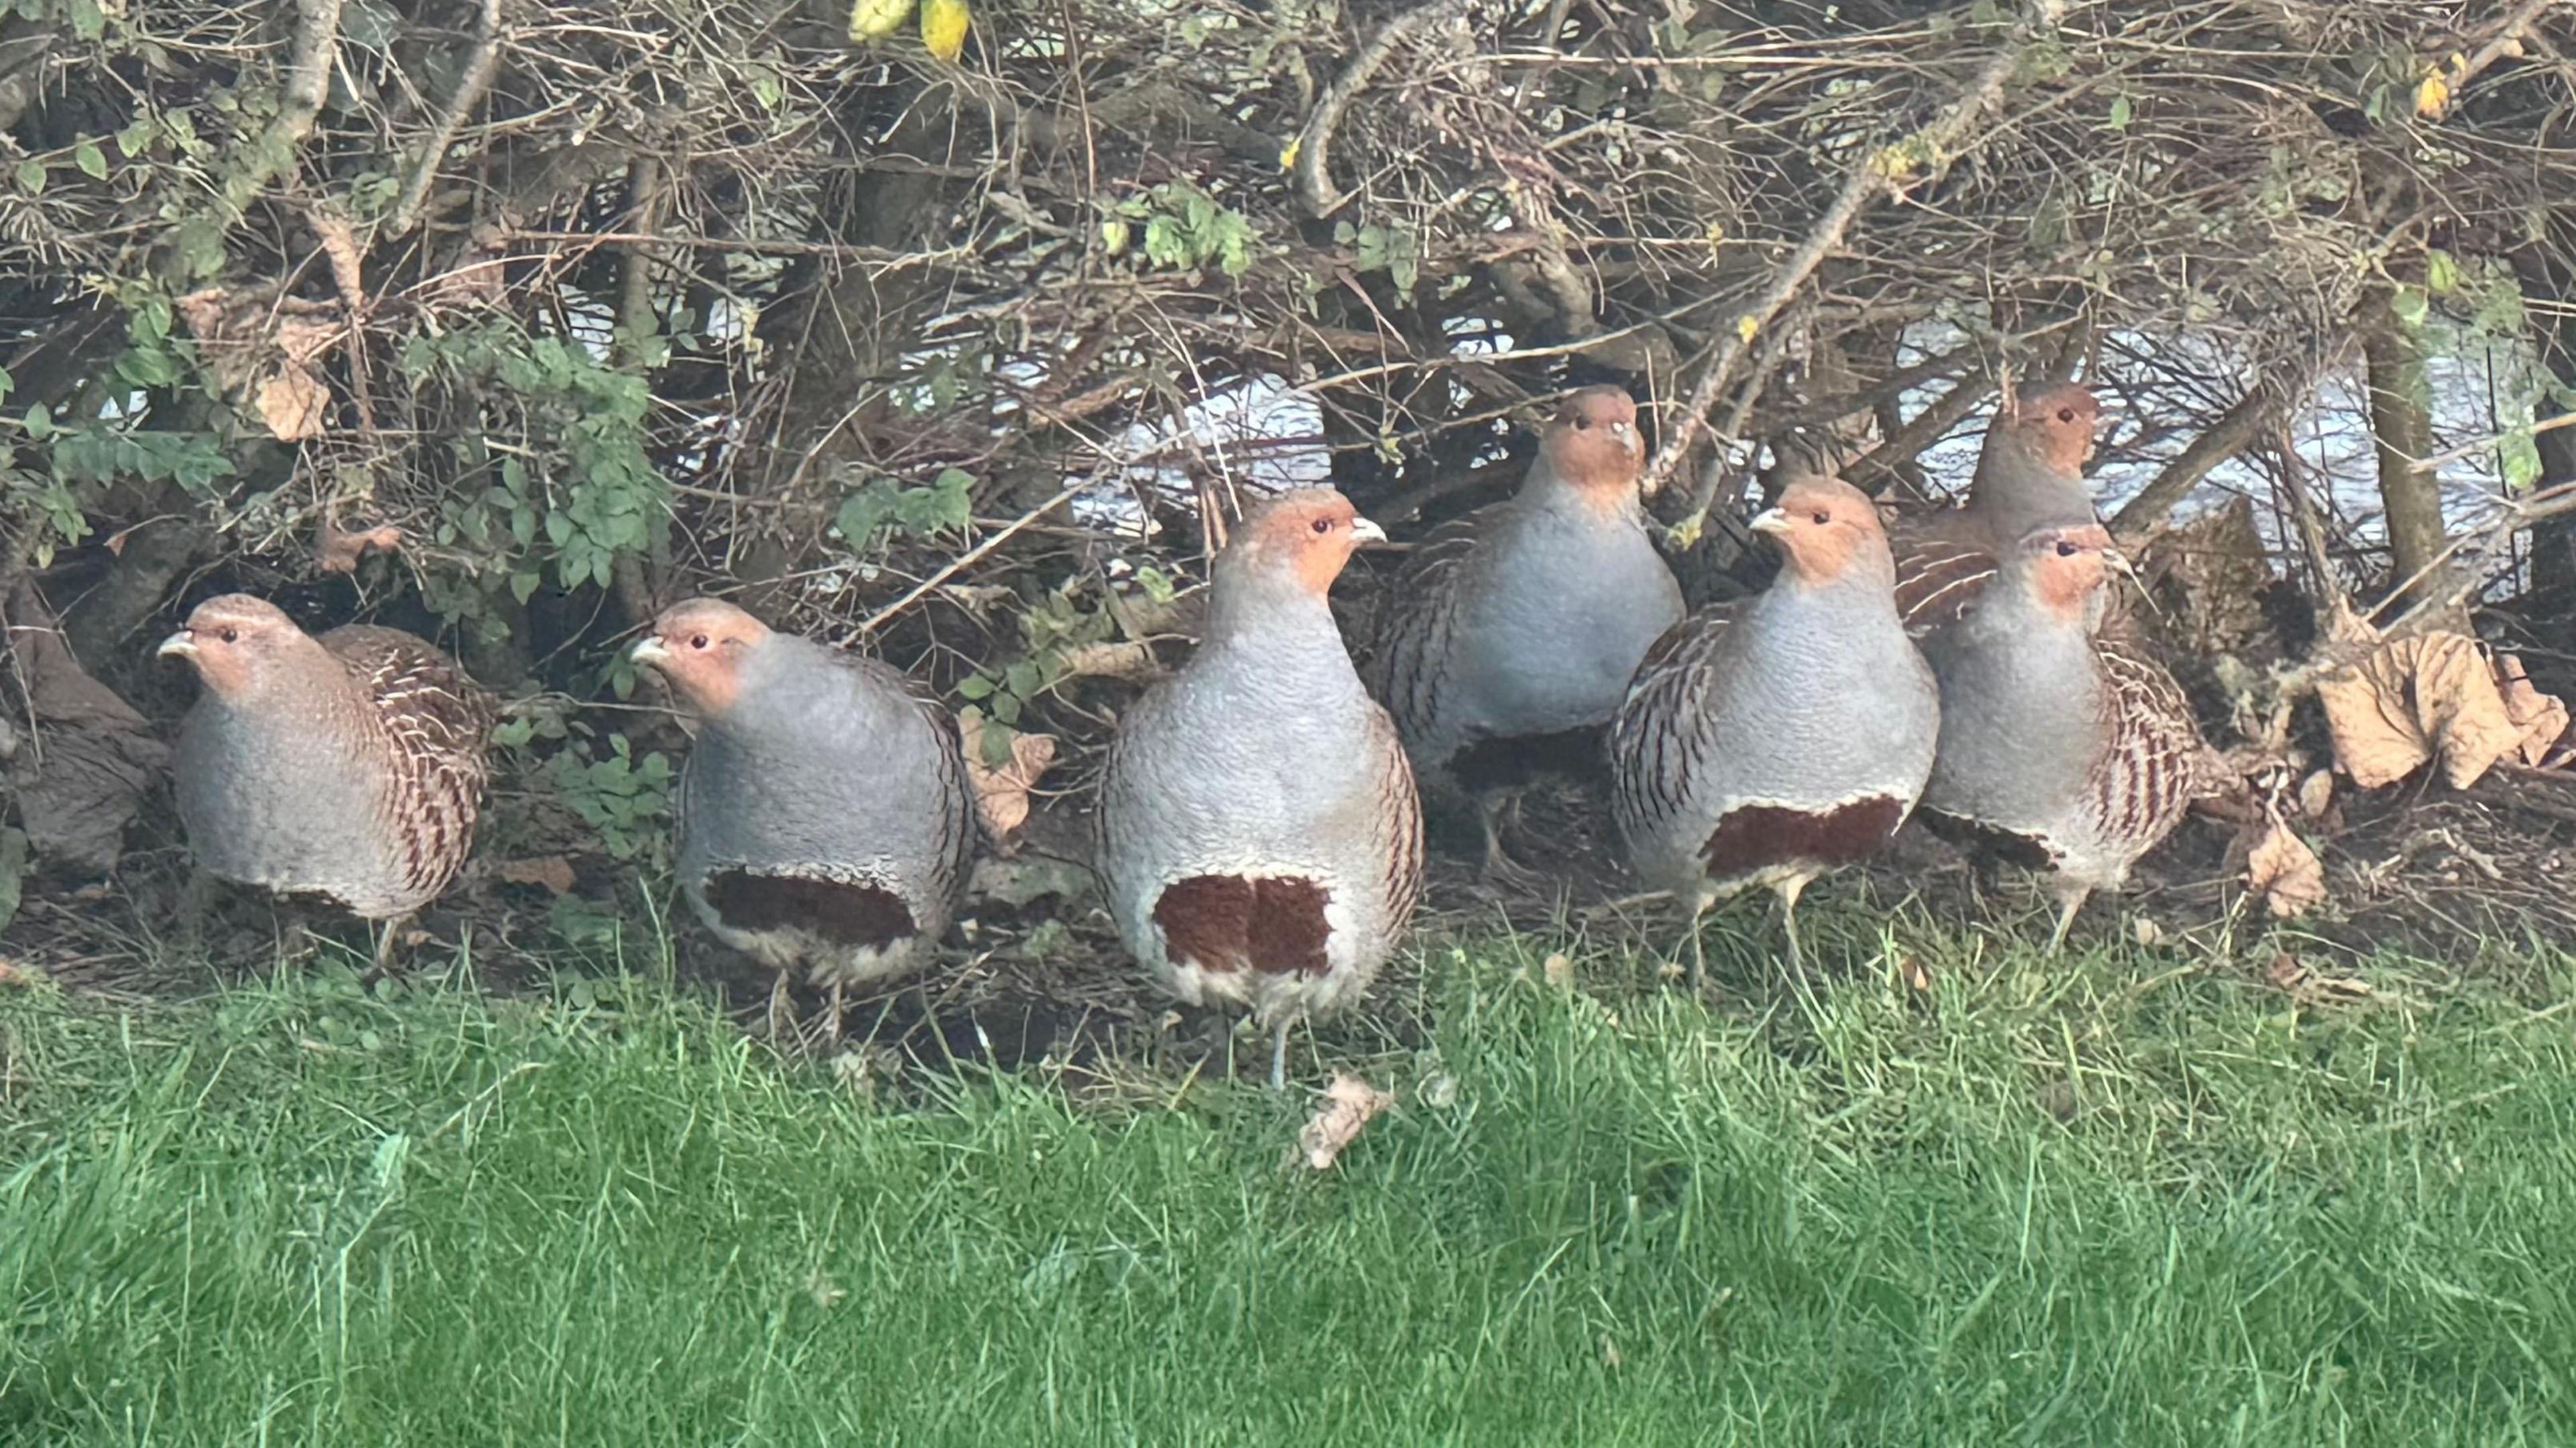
(2471, 449)
(967, 559)
(1871, 177)
(480, 67)
(1315, 139)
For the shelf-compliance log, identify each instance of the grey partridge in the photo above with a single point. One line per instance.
(1770, 739)
(1260, 841)
(349, 767)
(2063, 746)
(1520, 624)
(2030, 472)
(825, 822)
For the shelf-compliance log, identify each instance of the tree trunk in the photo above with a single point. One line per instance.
(2401, 426)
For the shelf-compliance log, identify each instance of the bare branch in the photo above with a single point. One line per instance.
(1314, 142)
(1876, 174)
(480, 67)
(2252, 415)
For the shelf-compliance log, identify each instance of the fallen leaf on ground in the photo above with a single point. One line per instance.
(338, 549)
(1348, 1104)
(2286, 872)
(2316, 794)
(2415, 699)
(552, 871)
(1559, 970)
(1002, 795)
(2542, 718)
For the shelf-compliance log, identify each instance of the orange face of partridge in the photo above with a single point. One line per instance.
(699, 647)
(1821, 524)
(2067, 567)
(1592, 443)
(234, 642)
(1311, 532)
(2055, 424)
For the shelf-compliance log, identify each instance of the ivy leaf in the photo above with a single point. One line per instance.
(31, 176)
(92, 161)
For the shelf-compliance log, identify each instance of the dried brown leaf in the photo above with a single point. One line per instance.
(552, 871)
(1002, 795)
(1558, 968)
(1347, 1106)
(2415, 699)
(2285, 872)
(338, 549)
(2316, 794)
(292, 403)
(2542, 718)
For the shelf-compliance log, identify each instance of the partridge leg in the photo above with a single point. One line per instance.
(1499, 864)
(1789, 890)
(782, 1007)
(385, 932)
(2070, 900)
(832, 1031)
(1279, 1055)
(195, 904)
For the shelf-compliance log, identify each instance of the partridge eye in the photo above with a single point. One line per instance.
(2066, 414)
(1822, 517)
(698, 642)
(1323, 525)
(1583, 424)
(231, 635)
(2067, 550)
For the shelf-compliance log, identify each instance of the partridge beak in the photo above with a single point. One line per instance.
(180, 645)
(650, 650)
(1770, 520)
(1364, 531)
(1625, 434)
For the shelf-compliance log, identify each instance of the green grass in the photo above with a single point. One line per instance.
(2118, 1200)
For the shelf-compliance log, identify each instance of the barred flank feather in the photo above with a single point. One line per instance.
(1407, 661)
(1660, 736)
(2152, 763)
(1938, 579)
(436, 724)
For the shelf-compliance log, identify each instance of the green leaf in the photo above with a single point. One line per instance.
(2410, 305)
(136, 138)
(2441, 273)
(1022, 678)
(31, 176)
(40, 422)
(88, 21)
(2121, 111)
(2520, 456)
(1156, 584)
(975, 686)
(92, 161)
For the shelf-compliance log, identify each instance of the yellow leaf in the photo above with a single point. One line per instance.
(944, 24)
(1288, 153)
(877, 19)
(1747, 325)
(2432, 96)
